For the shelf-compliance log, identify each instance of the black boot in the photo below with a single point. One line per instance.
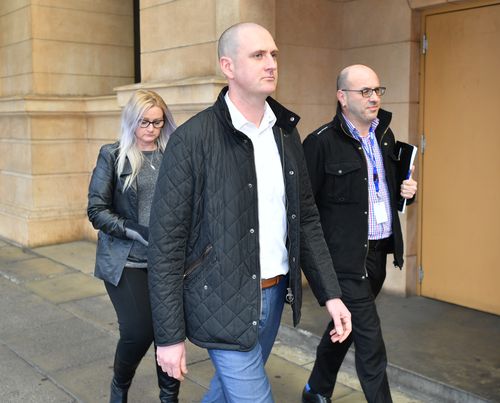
(123, 373)
(119, 391)
(169, 387)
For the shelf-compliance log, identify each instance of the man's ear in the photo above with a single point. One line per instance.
(226, 66)
(341, 98)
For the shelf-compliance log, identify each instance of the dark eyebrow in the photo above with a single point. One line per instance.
(255, 52)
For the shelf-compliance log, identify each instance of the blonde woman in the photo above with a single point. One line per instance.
(119, 203)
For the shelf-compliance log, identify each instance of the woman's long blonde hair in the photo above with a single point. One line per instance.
(140, 102)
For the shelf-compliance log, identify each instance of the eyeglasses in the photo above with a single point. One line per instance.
(157, 124)
(367, 92)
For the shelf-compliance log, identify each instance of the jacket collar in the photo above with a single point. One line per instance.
(285, 118)
(127, 168)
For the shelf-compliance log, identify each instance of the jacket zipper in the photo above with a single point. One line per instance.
(258, 257)
(197, 263)
(368, 204)
(289, 291)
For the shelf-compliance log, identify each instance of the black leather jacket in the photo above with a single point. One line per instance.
(108, 208)
(204, 273)
(338, 171)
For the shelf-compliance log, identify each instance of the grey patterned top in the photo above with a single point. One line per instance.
(146, 181)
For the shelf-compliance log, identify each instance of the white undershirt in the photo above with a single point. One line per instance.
(271, 190)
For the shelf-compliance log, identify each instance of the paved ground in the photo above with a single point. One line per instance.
(58, 333)
(445, 351)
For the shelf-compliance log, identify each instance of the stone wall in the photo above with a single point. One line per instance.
(66, 69)
(56, 57)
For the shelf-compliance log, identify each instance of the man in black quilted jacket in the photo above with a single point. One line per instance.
(232, 222)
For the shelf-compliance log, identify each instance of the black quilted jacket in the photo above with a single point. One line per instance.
(204, 273)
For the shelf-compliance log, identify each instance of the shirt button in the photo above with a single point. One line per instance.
(252, 230)
(254, 323)
(292, 119)
(250, 185)
(366, 179)
(294, 216)
(290, 172)
(385, 144)
(254, 276)
(205, 287)
(359, 148)
(366, 212)
(340, 171)
(293, 259)
(366, 246)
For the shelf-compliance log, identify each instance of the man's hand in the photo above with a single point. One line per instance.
(409, 186)
(341, 320)
(172, 360)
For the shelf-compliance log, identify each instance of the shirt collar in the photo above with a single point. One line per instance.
(239, 121)
(354, 132)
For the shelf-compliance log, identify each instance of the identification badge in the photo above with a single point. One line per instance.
(380, 212)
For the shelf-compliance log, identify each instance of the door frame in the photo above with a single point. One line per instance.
(442, 9)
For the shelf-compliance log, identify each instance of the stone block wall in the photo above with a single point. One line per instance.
(56, 57)
(66, 68)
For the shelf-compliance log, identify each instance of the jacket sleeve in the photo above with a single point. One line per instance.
(315, 161)
(100, 195)
(316, 261)
(170, 223)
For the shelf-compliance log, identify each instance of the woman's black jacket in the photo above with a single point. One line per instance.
(108, 208)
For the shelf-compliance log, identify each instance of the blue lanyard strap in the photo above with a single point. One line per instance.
(370, 153)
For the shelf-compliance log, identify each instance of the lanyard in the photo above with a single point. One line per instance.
(370, 153)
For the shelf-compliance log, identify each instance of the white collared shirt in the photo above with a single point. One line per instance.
(271, 190)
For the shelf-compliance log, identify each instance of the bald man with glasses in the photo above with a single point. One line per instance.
(353, 174)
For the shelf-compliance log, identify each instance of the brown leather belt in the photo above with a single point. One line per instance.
(270, 282)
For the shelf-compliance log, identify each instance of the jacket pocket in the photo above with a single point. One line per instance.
(111, 256)
(342, 180)
(191, 270)
(202, 297)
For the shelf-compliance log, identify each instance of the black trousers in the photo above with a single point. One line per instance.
(370, 355)
(131, 302)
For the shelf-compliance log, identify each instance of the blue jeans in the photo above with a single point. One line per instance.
(240, 375)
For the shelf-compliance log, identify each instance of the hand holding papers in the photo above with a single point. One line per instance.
(405, 154)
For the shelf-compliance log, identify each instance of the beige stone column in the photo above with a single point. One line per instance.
(179, 48)
(309, 36)
(57, 58)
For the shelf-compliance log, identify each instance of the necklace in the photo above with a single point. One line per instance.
(153, 159)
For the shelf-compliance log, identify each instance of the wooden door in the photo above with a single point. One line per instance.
(460, 228)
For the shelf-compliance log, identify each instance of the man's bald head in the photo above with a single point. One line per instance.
(344, 77)
(229, 41)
